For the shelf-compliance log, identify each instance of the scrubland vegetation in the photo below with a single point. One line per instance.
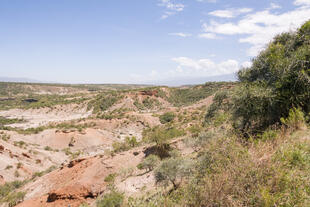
(39, 101)
(104, 101)
(187, 96)
(8, 195)
(253, 146)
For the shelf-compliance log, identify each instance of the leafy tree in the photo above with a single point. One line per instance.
(278, 80)
(220, 102)
(161, 135)
(173, 170)
(149, 163)
(254, 108)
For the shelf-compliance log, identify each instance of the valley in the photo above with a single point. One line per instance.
(68, 149)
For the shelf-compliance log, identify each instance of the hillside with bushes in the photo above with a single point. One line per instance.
(234, 144)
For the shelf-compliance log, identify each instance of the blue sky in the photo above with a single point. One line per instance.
(138, 41)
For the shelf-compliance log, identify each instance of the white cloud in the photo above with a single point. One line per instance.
(180, 34)
(204, 67)
(230, 13)
(191, 68)
(258, 28)
(302, 2)
(171, 8)
(208, 36)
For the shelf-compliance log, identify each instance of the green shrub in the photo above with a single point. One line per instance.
(149, 163)
(19, 165)
(147, 103)
(16, 173)
(6, 121)
(119, 147)
(40, 101)
(190, 95)
(110, 178)
(295, 119)
(20, 144)
(10, 186)
(166, 117)
(41, 173)
(195, 130)
(160, 135)
(14, 198)
(202, 139)
(126, 172)
(269, 135)
(73, 125)
(129, 143)
(31, 130)
(7, 194)
(220, 102)
(8, 167)
(104, 101)
(291, 179)
(48, 148)
(5, 137)
(173, 170)
(112, 199)
(220, 119)
(254, 109)
(280, 75)
(224, 170)
(73, 155)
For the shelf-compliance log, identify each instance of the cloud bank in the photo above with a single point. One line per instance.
(257, 28)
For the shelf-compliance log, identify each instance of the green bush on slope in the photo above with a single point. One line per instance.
(278, 80)
(166, 117)
(112, 199)
(9, 195)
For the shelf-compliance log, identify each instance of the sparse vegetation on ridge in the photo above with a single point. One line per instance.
(187, 96)
(104, 101)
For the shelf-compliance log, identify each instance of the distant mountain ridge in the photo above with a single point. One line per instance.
(196, 80)
(19, 80)
(169, 82)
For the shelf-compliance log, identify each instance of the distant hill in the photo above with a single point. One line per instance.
(199, 80)
(168, 82)
(20, 80)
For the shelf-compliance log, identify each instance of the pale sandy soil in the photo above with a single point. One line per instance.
(43, 116)
(33, 159)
